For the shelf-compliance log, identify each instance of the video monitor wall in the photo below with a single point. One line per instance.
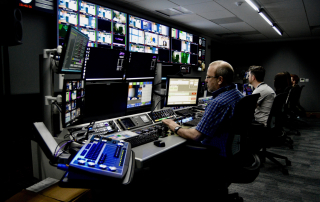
(202, 54)
(104, 27)
(184, 49)
(149, 37)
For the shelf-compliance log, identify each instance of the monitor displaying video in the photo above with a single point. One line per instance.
(73, 99)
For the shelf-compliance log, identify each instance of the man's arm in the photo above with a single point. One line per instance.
(191, 134)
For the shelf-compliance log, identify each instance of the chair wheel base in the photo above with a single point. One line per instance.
(288, 163)
(285, 171)
(234, 197)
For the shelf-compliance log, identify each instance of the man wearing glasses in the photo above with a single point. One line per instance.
(221, 108)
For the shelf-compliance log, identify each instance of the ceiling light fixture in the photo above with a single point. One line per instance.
(253, 5)
(264, 15)
(265, 18)
(277, 30)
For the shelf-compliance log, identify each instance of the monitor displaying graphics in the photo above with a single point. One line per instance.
(104, 64)
(141, 66)
(182, 91)
(73, 51)
(101, 24)
(183, 49)
(149, 37)
(139, 94)
(73, 99)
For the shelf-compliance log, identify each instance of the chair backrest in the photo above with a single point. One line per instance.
(276, 116)
(301, 87)
(240, 122)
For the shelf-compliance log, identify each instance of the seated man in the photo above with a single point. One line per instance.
(267, 94)
(225, 96)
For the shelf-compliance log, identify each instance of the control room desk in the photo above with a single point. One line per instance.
(148, 151)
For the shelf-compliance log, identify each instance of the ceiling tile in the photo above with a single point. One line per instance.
(312, 9)
(154, 4)
(238, 27)
(188, 2)
(204, 7)
(216, 14)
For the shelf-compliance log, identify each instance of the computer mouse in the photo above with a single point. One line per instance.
(159, 143)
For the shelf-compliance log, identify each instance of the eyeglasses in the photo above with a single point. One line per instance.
(208, 77)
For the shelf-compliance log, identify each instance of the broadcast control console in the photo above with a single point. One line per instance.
(104, 156)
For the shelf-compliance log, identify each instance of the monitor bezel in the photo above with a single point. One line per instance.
(143, 108)
(64, 49)
(169, 77)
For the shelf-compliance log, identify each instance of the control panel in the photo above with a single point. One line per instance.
(104, 156)
(135, 121)
(159, 115)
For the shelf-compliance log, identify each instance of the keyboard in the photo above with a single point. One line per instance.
(193, 122)
(184, 112)
(103, 156)
(147, 134)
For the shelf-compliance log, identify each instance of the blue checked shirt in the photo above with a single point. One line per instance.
(221, 108)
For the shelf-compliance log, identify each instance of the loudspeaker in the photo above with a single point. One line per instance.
(11, 22)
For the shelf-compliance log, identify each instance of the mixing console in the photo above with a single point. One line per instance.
(104, 156)
(162, 114)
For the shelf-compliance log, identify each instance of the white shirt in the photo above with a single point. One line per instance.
(265, 102)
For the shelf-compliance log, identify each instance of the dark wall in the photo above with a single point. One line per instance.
(296, 57)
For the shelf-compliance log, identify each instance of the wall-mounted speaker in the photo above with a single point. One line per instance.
(11, 21)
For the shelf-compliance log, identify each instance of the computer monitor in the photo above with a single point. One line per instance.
(104, 64)
(182, 91)
(141, 66)
(139, 96)
(73, 51)
(105, 100)
(73, 99)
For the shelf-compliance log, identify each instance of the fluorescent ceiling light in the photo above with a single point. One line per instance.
(276, 29)
(265, 18)
(252, 5)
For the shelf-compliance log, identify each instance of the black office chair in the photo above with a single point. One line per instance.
(273, 134)
(242, 159)
(294, 111)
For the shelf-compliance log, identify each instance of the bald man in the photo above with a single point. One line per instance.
(221, 108)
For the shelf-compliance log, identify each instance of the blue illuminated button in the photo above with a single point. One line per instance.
(112, 169)
(102, 166)
(81, 162)
(91, 164)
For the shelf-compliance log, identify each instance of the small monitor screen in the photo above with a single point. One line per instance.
(73, 51)
(141, 65)
(182, 91)
(139, 94)
(104, 64)
(73, 97)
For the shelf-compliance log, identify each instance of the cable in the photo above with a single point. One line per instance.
(156, 105)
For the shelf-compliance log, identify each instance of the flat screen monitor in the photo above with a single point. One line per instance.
(141, 66)
(140, 95)
(104, 64)
(182, 91)
(73, 51)
(73, 99)
(105, 100)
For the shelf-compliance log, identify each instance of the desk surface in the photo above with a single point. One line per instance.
(149, 150)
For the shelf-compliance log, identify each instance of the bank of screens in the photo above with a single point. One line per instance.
(182, 91)
(149, 37)
(105, 27)
(139, 94)
(73, 51)
(73, 99)
(104, 64)
(184, 50)
(202, 54)
(141, 65)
